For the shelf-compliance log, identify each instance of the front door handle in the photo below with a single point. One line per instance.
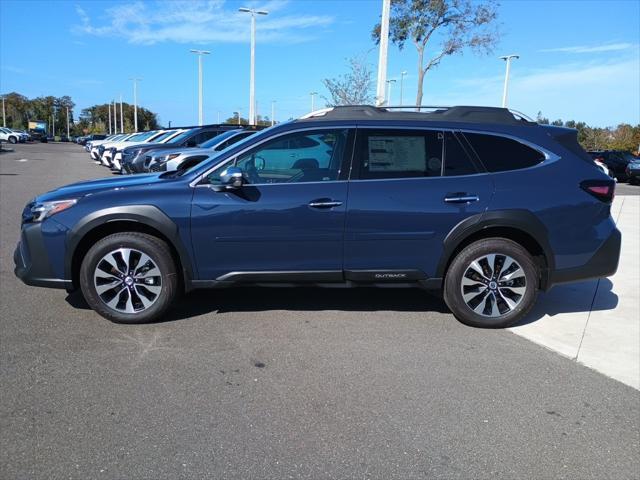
(324, 203)
(461, 197)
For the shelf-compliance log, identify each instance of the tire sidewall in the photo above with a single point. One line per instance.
(151, 246)
(453, 295)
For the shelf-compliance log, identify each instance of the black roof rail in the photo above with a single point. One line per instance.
(464, 114)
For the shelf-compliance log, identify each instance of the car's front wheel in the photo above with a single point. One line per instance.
(491, 283)
(129, 277)
(13, 140)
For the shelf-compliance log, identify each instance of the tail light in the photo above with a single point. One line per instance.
(603, 190)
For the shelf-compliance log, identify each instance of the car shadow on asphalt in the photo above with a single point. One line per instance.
(561, 299)
(257, 299)
(573, 298)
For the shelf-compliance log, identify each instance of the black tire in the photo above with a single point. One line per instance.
(13, 140)
(156, 250)
(461, 265)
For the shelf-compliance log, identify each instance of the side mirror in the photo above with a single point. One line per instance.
(232, 178)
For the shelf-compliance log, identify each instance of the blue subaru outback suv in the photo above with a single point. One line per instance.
(477, 202)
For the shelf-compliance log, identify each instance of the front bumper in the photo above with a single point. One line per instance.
(32, 263)
(604, 263)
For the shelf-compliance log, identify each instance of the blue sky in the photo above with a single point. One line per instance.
(579, 59)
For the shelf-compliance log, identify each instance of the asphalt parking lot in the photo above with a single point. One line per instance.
(284, 383)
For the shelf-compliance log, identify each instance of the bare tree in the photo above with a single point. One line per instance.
(353, 88)
(450, 25)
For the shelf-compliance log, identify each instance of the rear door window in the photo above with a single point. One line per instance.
(499, 154)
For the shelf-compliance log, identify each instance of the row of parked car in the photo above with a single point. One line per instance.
(619, 165)
(10, 135)
(166, 149)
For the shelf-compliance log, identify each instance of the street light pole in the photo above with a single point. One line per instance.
(313, 96)
(252, 81)
(121, 116)
(390, 82)
(402, 74)
(67, 123)
(382, 59)
(200, 53)
(109, 118)
(505, 92)
(135, 102)
(4, 118)
(115, 117)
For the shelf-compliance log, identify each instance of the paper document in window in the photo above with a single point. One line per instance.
(397, 154)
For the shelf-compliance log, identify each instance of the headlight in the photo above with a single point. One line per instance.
(43, 210)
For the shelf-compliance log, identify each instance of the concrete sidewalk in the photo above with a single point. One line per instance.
(597, 323)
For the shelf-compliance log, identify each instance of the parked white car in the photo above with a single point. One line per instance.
(167, 136)
(8, 135)
(143, 137)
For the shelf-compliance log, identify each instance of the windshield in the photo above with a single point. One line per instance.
(181, 137)
(159, 138)
(140, 136)
(212, 142)
(257, 137)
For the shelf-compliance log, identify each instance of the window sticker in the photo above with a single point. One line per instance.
(397, 154)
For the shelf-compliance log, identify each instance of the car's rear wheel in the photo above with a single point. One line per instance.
(129, 277)
(491, 283)
(13, 140)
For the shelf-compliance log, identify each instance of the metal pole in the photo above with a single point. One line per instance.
(135, 102)
(252, 80)
(505, 92)
(389, 83)
(4, 118)
(313, 95)
(402, 74)
(252, 85)
(67, 123)
(382, 59)
(121, 116)
(200, 113)
(109, 118)
(115, 117)
(53, 124)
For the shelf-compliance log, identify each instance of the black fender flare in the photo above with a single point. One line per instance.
(148, 215)
(518, 219)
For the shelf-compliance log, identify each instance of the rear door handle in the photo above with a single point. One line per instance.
(324, 203)
(461, 197)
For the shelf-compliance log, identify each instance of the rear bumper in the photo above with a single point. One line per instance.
(36, 273)
(604, 263)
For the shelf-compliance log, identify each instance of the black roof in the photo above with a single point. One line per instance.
(465, 114)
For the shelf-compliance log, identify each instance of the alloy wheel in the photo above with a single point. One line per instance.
(127, 280)
(493, 285)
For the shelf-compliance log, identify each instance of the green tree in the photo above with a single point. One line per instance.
(453, 25)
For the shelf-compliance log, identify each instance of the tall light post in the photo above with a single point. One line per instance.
(313, 97)
(135, 102)
(121, 116)
(252, 81)
(200, 53)
(390, 82)
(109, 118)
(402, 74)
(115, 117)
(505, 92)
(4, 118)
(67, 123)
(382, 58)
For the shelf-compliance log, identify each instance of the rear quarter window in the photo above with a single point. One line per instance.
(500, 154)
